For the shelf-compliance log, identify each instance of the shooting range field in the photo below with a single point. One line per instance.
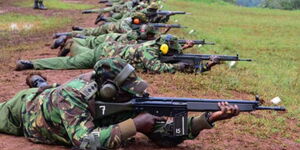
(268, 36)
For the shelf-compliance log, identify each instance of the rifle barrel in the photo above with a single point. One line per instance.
(276, 108)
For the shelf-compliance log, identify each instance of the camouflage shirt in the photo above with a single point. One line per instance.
(61, 116)
(143, 56)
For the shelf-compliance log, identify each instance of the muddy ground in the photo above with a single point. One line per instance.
(226, 135)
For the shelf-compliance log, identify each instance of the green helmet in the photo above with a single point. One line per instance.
(112, 74)
(146, 30)
(171, 41)
(140, 16)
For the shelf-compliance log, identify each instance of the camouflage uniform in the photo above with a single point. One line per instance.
(121, 26)
(143, 56)
(62, 116)
(78, 45)
(125, 14)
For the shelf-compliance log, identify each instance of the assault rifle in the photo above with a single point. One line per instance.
(198, 42)
(177, 108)
(166, 13)
(195, 60)
(159, 25)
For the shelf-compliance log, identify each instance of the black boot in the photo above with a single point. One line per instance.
(36, 4)
(36, 80)
(100, 18)
(59, 42)
(41, 6)
(57, 35)
(76, 28)
(24, 65)
(65, 50)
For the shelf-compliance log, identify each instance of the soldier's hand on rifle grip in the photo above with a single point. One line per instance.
(188, 44)
(145, 122)
(227, 111)
(215, 59)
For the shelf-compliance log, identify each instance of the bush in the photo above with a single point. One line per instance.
(281, 4)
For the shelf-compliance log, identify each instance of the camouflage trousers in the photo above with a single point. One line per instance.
(11, 118)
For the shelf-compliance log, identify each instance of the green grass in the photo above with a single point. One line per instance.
(270, 37)
(56, 4)
(38, 22)
(15, 24)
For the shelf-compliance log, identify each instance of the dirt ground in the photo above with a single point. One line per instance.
(224, 136)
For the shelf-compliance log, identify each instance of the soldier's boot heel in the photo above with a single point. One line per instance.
(65, 50)
(36, 4)
(59, 42)
(24, 65)
(41, 6)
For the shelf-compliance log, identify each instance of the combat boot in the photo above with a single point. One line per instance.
(76, 28)
(64, 51)
(100, 18)
(36, 80)
(41, 6)
(36, 4)
(59, 42)
(24, 65)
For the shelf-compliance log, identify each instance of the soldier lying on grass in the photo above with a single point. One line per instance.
(64, 115)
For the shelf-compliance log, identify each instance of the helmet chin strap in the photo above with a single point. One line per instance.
(123, 75)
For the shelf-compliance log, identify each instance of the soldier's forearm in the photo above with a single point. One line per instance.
(110, 137)
(199, 123)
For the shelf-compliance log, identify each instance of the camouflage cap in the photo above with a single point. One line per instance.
(140, 16)
(109, 68)
(171, 41)
(153, 5)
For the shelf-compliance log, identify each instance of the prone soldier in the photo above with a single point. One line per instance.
(65, 115)
(143, 56)
(121, 26)
(79, 45)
